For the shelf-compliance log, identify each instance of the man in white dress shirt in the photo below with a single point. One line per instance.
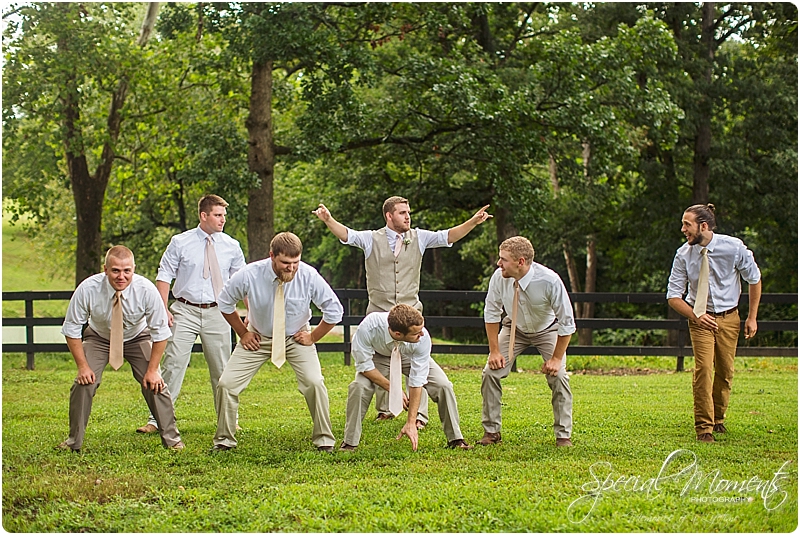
(189, 261)
(141, 335)
(262, 283)
(393, 259)
(403, 328)
(544, 320)
(713, 324)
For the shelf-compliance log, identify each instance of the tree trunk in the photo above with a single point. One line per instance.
(569, 260)
(89, 191)
(505, 228)
(702, 144)
(585, 335)
(261, 159)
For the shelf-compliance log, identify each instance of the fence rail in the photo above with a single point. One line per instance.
(680, 350)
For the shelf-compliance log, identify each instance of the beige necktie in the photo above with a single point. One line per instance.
(115, 342)
(279, 328)
(398, 244)
(514, 307)
(395, 382)
(211, 267)
(701, 301)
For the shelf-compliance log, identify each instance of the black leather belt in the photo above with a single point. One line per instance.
(202, 305)
(723, 314)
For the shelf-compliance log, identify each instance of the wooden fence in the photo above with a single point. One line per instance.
(681, 349)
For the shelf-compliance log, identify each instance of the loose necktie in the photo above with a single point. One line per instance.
(514, 307)
(395, 382)
(211, 267)
(279, 328)
(115, 343)
(701, 301)
(398, 244)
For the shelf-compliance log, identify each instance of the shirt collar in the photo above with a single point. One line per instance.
(390, 232)
(125, 293)
(387, 337)
(202, 234)
(271, 275)
(527, 278)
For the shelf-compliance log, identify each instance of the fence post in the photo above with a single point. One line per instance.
(346, 332)
(681, 345)
(29, 365)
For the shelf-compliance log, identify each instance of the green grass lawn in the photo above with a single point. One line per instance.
(626, 426)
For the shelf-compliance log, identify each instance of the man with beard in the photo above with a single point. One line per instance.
(279, 290)
(711, 265)
(393, 259)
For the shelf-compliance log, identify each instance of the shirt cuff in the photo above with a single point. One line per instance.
(71, 330)
(365, 366)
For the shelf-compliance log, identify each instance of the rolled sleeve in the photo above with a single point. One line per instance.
(170, 260)
(327, 301)
(747, 266)
(233, 291)
(238, 262)
(362, 351)
(562, 307)
(493, 309)
(420, 362)
(678, 278)
(77, 315)
(430, 240)
(157, 320)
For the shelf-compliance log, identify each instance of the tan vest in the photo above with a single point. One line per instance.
(390, 280)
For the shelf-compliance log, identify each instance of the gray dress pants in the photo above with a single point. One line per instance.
(492, 390)
(137, 353)
(438, 387)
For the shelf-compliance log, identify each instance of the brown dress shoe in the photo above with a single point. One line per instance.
(420, 425)
(148, 428)
(490, 438)
(220, 447)
(720, 428)
(346, 447)
(460, 444)
(705, 437)
(384, 416)
(65, 446)
(326, 449)
(563, 442)
(177, 447)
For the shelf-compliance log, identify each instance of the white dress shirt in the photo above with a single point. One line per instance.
(427, 239)
(728, 259)
(543, 299)
(258, 282)
(184, 258)
(373, 336)
(141, 307)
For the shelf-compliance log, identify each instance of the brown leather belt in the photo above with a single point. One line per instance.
(202, 305)
(723, 314)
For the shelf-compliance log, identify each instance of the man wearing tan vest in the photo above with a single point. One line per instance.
(393, 259)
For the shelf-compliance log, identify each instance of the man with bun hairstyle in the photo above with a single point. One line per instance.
(400, 331)
(705, 287)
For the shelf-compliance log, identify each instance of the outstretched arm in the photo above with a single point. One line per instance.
(339, 230)
(456, 233)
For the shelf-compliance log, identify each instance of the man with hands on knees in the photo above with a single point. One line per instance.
(539, 314)
(127, 320)
(391, 344)
(279, 290)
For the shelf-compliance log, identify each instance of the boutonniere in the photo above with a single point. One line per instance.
(406, 241)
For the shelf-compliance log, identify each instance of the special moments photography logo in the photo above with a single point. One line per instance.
(681, 467)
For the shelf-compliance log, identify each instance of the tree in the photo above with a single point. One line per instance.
(75, 55)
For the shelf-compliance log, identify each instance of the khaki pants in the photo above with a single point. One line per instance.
(243, 366)
(215, 333)
(137, 353)
(438, 387)
(713, 370)
(492, 390)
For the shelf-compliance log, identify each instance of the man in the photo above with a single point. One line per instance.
(279, 291)
(710, 265)
(538, 314)
(393, 259)
(126, 320)
(200, 261)
(399, 334)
